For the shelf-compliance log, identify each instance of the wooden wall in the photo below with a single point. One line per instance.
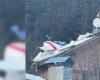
(86, 61)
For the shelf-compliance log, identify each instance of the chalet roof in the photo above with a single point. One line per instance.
(56, 60)
(72, 50)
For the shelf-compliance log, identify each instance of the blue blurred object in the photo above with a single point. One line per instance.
(18, 32)
(57, 59)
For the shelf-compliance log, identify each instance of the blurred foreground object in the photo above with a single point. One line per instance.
(20, 33)
(14, 61)
(33, 77)
(15, 55)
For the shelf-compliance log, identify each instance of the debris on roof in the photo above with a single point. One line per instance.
(83, 36)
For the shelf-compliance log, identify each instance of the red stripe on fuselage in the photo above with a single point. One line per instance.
(54, 46)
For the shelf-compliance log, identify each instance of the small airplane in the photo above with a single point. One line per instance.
(52, 49)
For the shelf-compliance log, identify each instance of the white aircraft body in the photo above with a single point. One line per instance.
(51, 49)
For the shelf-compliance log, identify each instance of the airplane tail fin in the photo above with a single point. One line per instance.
(49, 45)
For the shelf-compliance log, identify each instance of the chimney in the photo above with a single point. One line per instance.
(96, 24)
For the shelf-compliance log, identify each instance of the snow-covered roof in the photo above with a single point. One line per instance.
(49, 54)
(90, 39)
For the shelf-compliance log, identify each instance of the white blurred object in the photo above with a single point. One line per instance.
(15, 75)
(33, 77)
(14, 61)
(14, 56)
(1, 78)
(96, 24)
